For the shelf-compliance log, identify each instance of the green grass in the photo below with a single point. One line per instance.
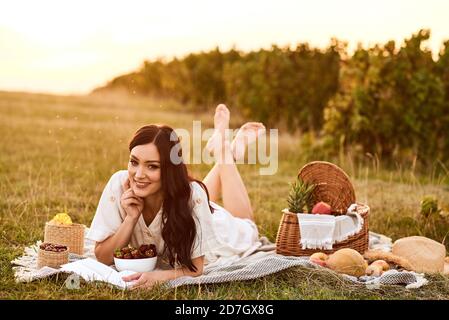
(57, 153)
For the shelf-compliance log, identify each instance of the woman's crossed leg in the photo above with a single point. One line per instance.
(224, 178)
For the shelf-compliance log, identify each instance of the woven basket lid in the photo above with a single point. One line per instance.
(332, 185)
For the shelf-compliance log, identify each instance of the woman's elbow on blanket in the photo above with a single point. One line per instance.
(199, 265)
(101, 256)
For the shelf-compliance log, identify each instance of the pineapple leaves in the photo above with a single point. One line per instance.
(300, 196)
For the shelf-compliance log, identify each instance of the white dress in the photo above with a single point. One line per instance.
(219, 234)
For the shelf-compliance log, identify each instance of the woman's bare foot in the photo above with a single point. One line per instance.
(247, 134)
(221, 118)
(221, 123)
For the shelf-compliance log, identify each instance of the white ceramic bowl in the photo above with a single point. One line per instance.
(137, 265)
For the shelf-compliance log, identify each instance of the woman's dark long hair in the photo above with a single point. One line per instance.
(178, 224)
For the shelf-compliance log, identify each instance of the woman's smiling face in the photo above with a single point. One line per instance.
(144, 169)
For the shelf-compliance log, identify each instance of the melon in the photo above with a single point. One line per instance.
(347, 261)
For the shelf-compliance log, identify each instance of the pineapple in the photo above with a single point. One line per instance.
(300, 196)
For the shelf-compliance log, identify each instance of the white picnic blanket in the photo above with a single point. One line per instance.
(259, 261)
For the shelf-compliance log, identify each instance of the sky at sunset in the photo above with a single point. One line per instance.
(71, 47)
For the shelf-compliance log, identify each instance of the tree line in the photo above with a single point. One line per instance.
(388, 100)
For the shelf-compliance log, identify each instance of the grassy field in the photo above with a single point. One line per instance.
(57, 153)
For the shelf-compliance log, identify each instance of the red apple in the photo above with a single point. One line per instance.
(322, 208)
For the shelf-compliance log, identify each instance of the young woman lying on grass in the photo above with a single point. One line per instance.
(156, 201)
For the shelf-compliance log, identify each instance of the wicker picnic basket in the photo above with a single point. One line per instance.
(52, 259)
(332, 185)
(71, 236)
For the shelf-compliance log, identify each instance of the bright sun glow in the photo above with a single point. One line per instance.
(72, 47)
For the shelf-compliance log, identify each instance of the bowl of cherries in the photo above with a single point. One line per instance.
(140, 259)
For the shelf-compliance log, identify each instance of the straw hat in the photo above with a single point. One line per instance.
(419, 254)
(424, 254)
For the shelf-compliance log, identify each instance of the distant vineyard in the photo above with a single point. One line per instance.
(388, 101)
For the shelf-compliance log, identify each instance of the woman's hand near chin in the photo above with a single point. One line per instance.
(133, 207)
(131, 204)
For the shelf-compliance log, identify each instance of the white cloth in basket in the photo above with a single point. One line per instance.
(321, 231)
